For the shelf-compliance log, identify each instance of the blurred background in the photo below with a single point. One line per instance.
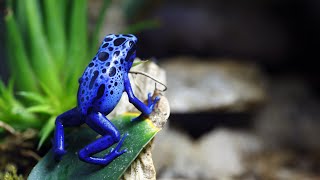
(242, 82)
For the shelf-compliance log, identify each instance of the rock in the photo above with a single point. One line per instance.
(222, 153)
(141, 86)
(142, 167)
(284, 164)
(290, 117)
(219, 154)
(196, 85)
(174, 155)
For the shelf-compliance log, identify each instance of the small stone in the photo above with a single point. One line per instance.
(174, 155)
(141, 86)
(196, 85)
(222, 152)
(218, 154)
(291, 115)
(142, 167)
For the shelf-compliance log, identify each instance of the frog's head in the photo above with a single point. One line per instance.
(130, 46)
(121, 48)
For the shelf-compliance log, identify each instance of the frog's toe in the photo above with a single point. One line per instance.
(58, 153)
(156, 99)
(138, 118)
(116, 150)
(123, 151)
(153, 103)
(149, 98)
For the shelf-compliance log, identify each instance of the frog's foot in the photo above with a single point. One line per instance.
(151, 104)
(116, 150)
(69, 118)
(101, 144)
(110, 136)
(58, 153)
(138, 118)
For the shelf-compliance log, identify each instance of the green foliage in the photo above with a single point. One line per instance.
(140, 133)
(14, 112)
(48, 48)
(47, 51)
(10, 173)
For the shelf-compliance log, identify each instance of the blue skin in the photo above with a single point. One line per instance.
(100, 89)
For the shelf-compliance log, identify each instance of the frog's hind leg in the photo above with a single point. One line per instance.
(69, 118)
(110, 136)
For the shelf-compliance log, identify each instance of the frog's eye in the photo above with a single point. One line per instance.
(131, 53)
(133, 47)
(131, 43)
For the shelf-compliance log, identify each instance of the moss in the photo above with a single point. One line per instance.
(10, 173)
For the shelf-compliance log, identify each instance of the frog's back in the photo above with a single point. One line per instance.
(101, 85)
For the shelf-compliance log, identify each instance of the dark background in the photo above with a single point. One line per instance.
(281, 36)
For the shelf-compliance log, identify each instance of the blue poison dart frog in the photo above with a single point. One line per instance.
(100, 89)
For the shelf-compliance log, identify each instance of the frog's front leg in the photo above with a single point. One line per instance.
(69, 118)
(144, 109)
(110, 135)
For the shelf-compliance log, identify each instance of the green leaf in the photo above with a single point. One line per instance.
(17, 55)
(78, 42)
(42, 59)
(139, 134)
(20, 15)
(51, 95)
(56, 30)
(13, 112)
(46, 130)
(46, 109)
(6, 93)
(32, 96)
(138, 62)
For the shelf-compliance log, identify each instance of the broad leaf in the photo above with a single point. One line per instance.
(70, 167)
